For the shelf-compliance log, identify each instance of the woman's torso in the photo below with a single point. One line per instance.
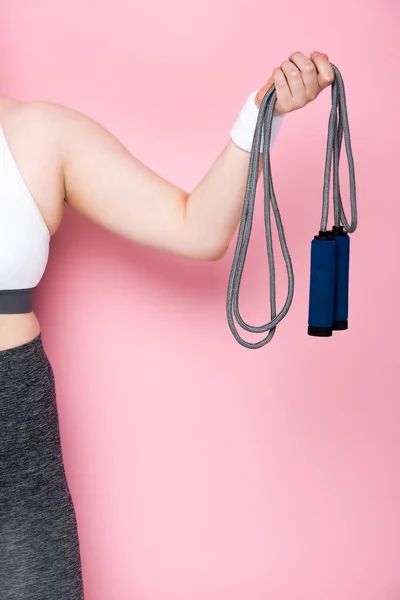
(32, 152)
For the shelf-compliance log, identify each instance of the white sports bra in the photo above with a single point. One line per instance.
(24, 237)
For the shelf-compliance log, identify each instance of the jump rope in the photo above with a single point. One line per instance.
(330, 249)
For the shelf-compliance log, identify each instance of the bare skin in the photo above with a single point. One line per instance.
(65, 157)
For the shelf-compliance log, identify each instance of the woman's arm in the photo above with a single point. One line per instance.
(110, 186)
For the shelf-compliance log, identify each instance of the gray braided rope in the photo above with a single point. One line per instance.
(338, 126)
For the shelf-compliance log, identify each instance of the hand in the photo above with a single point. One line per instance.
(298, 81)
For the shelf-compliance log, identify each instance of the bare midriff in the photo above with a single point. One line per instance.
(16, 330)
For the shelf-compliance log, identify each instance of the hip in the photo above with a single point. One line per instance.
(30, 449)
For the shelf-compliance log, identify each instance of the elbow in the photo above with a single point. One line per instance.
(209, 254)
(217, 254)
(203, 245)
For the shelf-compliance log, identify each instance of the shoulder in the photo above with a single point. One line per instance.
(42, 119)
(28, 111)
(49, 123)
(33, 134)
(33, 124)
(36, 115)
(52, 129)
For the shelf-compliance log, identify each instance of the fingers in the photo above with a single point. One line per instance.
(294, 80)
(298, 81)
(325, 72)
(309, 75)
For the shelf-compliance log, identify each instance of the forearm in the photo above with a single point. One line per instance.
(214, 208)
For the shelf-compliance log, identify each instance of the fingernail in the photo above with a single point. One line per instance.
(315, 53)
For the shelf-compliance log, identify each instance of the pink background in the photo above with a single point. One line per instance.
(200, 470)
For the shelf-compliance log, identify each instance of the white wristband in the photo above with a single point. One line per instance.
(242, 132)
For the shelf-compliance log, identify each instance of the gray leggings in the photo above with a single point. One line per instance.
(39, 548)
